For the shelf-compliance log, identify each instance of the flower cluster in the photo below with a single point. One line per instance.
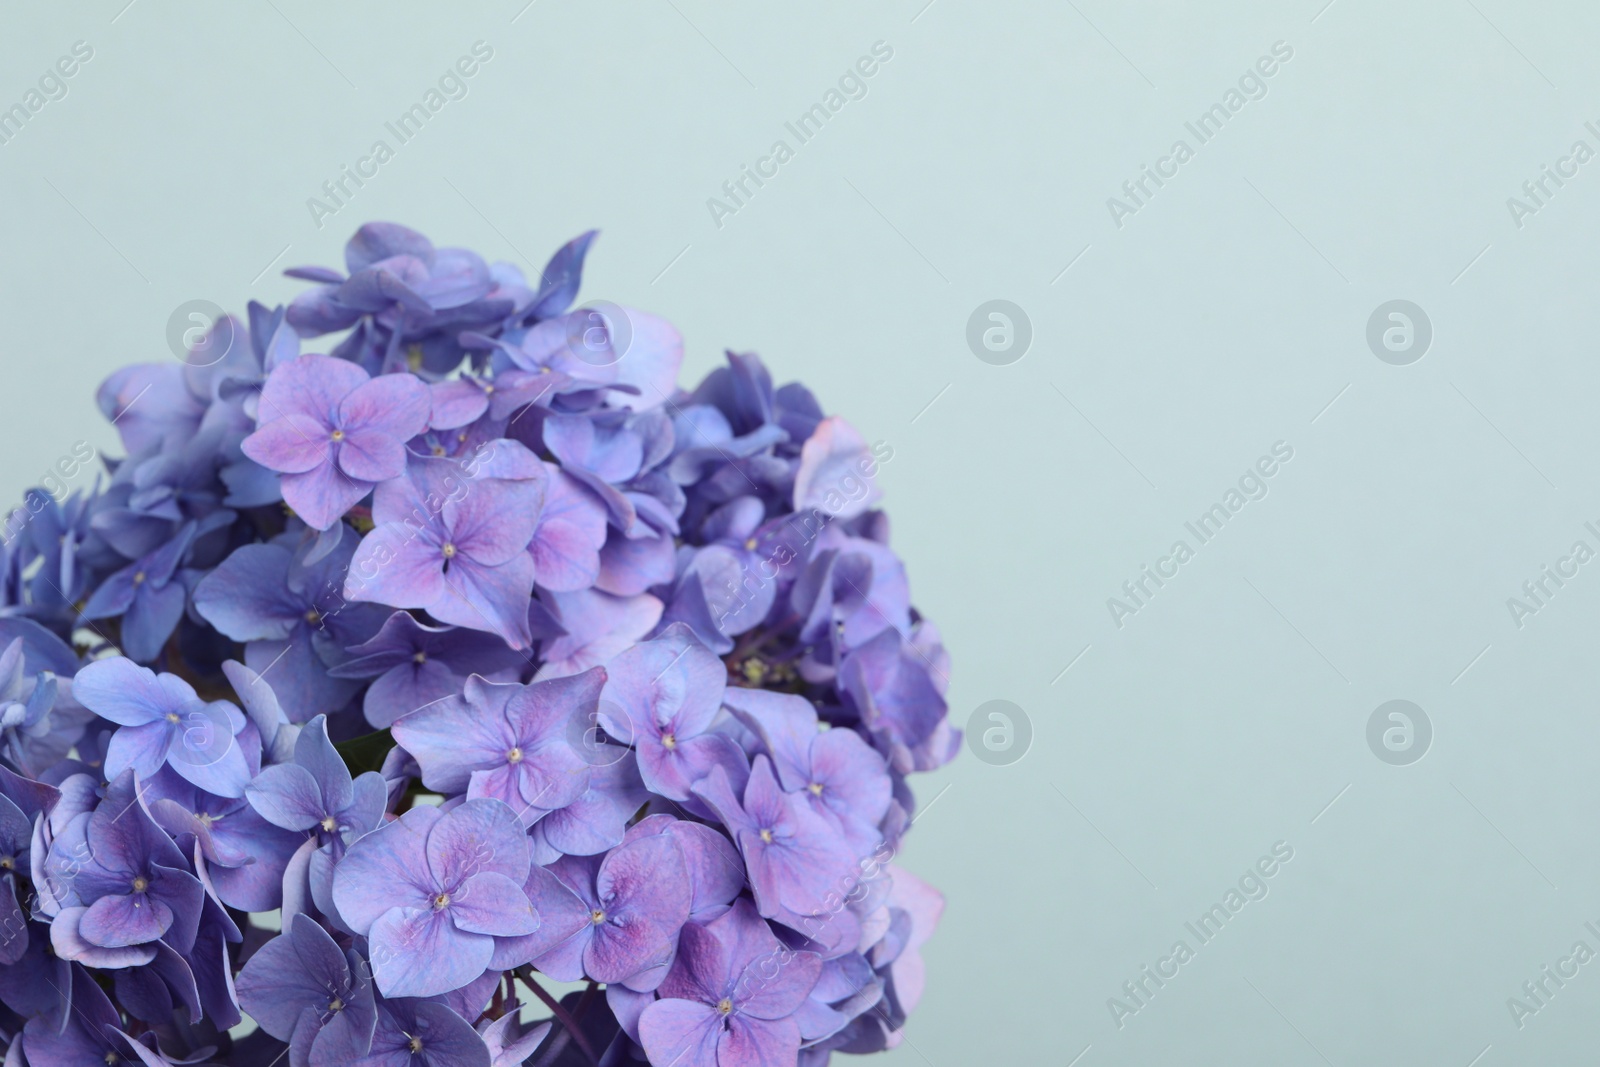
(484, 656)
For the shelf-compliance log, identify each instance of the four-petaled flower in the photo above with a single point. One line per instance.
(432, 890)
(333, 432)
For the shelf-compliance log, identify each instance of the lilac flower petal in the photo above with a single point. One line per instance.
(456, 736)
(68, 943)
(368, 454)
(480, 835)
(323, 494)
(683, 1032)
(651, 360)
(629, 566)
(247, 596)
(142, 748)
(126, 693)
(566, 544)
(753, 1043)
(286, 795)
(121, 921)
(392, 566)
(309, 385)
(291, 444)
(491, 903)
(377, 241)
(561, 915)
(598, 626)
(392, 857)
(398, 404)
(492, 599)
(417, 952)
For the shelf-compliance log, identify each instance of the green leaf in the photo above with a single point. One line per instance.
(367, 752)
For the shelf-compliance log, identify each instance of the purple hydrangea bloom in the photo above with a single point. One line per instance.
(432, 890)
(147, 597)
(316, 793)
(333, 432)
(731, 997)
(121, 884)
(800, 867)
(664, 695)
(550, 669)
(291, 614)
(637, 897)
(303, 989)
(512, 743)
(164, 723)
(454, 546)
(412, 664)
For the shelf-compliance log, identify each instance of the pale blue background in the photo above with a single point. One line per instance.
(1224, 316)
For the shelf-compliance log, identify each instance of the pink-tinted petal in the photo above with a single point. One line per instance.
(370, 455)
(309, 385)
(491, 903)
(750, 1042)
(293, 444)
(572, 527)
(398, 566)
(416, 952)
(837, 473)
(493, 520)
(480, 835)
(492, 599)
(322, 495)
(396, 404)
(682, 1032)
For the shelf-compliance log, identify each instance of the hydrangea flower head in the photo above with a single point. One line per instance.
(432, 644)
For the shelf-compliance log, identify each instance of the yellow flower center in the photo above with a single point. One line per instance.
(816, 789)
(420, 657)
(449, 550)
(725, 1006)
(514, 755)
(669, 742)
(313, 616)
(327, 824)
(138, 578)
(597, 916)
(338, 435)
(766, 836)
(140, 884)
(442, 900)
